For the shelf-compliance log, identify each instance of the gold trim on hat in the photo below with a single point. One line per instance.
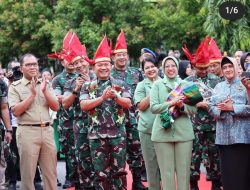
(215, 60)
(76, 58)
(120, 50)
(101, 59)
(202, 65)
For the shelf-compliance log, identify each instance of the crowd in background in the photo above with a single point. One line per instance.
(154, 131)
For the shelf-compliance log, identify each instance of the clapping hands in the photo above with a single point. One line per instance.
(33, 86)
(226, 105)
(109, 93)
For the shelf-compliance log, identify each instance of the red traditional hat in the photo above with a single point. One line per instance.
(190, 56)
(65, 48)
(66, 40)
(201, 57)
(121, 45)
(103, 51)
(76, 50)
(55, 55)
(214, 52)
(111, 47)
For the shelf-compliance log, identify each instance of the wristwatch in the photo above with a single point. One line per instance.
(9, 131)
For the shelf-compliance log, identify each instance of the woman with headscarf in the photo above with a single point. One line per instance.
(185, 69)
(245, 61)
(229, 105)
(146, 120)
(173, 145)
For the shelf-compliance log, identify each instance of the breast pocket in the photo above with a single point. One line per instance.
(42, 99)
(24, 95)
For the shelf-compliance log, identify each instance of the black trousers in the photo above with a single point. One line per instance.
(235, 166)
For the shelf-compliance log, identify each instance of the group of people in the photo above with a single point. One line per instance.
(111, 114)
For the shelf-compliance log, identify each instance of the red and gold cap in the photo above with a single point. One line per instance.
(190, 56)
(103, 51)
(121, 45)
(201, 57)
(111, 47)
(65, 48)
(215, 55)
(76, 50)
(55, 55)
(66, 40)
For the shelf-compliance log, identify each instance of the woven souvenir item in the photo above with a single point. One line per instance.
(192, 93)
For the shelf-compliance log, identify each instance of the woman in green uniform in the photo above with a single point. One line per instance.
(146, 120)
(173, 137)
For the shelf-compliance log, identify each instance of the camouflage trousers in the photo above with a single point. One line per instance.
(134, 152)
(109, 160)
(83, 156)
(66, 140)
(8, 154)
(205, 150)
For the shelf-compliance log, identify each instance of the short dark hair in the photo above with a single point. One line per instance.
(46, 70)
(148, 59)
(239, 50)
(9, 66)
(21, 60)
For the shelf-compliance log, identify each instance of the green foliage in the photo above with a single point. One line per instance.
(39, 26)
(20, 28)
(173, 23)
(91, 19)
(230, 35)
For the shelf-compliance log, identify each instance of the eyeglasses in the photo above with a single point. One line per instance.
(31, 64)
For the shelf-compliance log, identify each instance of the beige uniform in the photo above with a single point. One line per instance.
(35, 138)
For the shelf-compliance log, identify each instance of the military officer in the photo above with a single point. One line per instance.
(131, 76)
(106, 99)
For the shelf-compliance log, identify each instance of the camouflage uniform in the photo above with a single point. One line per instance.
(107, 136)
(80, 127)
(66, 135)
(204, 147)
(132, 76)
(3, 96)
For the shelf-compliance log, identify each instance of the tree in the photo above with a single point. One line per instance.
(20, 28)
(173, 22)
(91, 19)
(230, 35)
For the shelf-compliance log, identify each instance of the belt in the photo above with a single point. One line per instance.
(36, 125)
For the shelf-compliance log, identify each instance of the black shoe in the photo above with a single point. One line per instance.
(78, 186)
(89, 188)
(216, 185)
(12, 186)
(194, 185)
(38, 186)
(144, 176)
(67, 184)
(138, 186)
(59, 184)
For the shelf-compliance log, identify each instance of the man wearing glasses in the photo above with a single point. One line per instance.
(30, 99)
